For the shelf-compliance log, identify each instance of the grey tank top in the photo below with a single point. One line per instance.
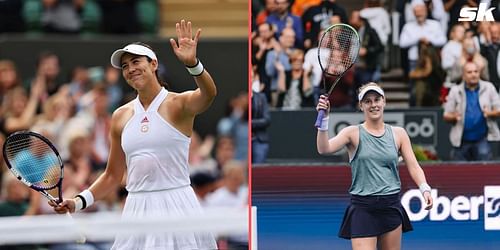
(374, 166)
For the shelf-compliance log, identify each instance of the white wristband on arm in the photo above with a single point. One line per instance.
(324, 124)
(424, 187)
(197, 69)
(85, 199)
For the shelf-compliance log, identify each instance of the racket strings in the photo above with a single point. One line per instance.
(34, 160)
(339, 48)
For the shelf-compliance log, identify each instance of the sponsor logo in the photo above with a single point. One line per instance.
(460, 208)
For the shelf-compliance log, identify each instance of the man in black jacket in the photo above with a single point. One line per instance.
(261, 119)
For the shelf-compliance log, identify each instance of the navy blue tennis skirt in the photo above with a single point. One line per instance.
(369, 216)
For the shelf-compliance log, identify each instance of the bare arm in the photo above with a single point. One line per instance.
(112, 176)
(323, 143)
(416, 172)
(27, 117)
(200, 99)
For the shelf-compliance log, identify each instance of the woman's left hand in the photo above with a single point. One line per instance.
(185, 47)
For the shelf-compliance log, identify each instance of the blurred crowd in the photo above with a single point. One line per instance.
(79, 16)
(433, 45)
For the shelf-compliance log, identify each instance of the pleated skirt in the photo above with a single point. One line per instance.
(369, 216)
(179, 201)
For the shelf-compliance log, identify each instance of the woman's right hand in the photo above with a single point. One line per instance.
(63, 207)
(323, 104)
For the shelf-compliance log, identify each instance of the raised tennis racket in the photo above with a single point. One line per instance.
(338, 50)
(35, 161)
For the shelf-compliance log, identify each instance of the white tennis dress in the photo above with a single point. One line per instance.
(158, 179)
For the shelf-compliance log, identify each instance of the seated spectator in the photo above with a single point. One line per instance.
(470, 53)
(199, 153)
(62, 16)
(269, 8)
(48, 71)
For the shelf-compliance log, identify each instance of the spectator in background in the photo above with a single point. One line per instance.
(293, 88)
(79, 161)
(262, 44)
(318, 17)
(470, 53)
(224, 152)
(199, 153)
(378, 18)
(79, 84)
(428, 77)
(369, 53)
(19, 109)
(11, 16)
(261, 119)
(269, 8)
(99, 139)
(113, 12)
(472, 107)
(282, 18)
(62, 16)
(490, 50)
(9, 77)
(422, 30)
(280, 53)
(235, 125)
(114, 87)
(451, 54)
(312, 69)
(15, 196)
(47, 71)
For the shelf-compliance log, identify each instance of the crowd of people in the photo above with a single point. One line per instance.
(77, 16)
(434, 48)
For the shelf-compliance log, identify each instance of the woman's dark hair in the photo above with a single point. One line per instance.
(160, 80)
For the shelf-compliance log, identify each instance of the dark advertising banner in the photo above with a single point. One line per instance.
(301, 207)
(293, 136)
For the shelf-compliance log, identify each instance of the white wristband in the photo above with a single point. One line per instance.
(84, 199)
(197, 69)
(424, 187)
(324, 124)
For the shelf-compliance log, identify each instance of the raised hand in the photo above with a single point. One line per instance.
(185, 47)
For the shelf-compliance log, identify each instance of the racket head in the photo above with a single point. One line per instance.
(338, 49)
(34, 160)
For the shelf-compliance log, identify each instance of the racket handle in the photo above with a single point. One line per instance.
(319, 119)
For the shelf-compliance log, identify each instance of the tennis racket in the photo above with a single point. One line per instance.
(35, 161)
(338, 50)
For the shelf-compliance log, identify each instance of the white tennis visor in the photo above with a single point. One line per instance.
(135, 49)
(370, 88)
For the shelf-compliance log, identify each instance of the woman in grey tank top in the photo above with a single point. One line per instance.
(375, 216)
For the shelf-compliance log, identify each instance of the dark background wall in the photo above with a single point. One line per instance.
(226, 60)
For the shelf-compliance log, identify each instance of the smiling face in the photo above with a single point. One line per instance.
(138, 71)
(372, 105)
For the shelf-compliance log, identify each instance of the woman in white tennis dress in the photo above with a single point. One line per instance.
(150, 138)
